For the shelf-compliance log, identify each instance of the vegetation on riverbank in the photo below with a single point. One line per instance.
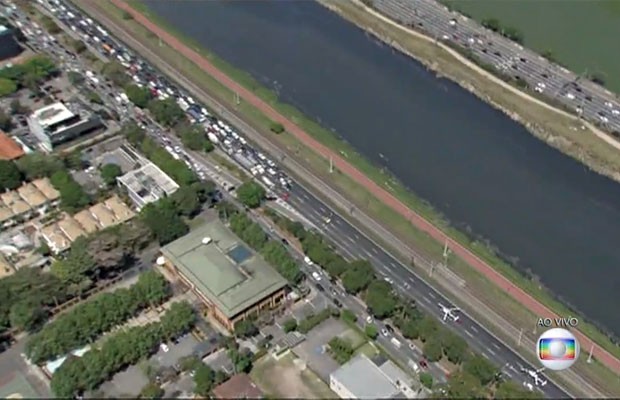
(363, 199)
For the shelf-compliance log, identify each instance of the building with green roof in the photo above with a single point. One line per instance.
(232, 280)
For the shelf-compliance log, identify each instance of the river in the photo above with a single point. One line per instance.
(486, 173)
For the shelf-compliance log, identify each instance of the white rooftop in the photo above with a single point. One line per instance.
(149, 182)
(365, 380)
(52, 114)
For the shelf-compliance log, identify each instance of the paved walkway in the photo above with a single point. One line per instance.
(461, 251)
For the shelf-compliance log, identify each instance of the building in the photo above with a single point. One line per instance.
(9, 47)
(28, 201)
(239, 386)
(363, 378)
(56, 124)
(59, 235)
(147, 184)
(233, 282)
(9, 149)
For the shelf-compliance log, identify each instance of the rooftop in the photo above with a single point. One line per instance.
(9, 149)
(149, 182)
(14, 202)
(52, 114)
(71, 228)
(365, 380)
(45, 187)
(120, 210)
(103, 215)
(55, 237)
(239, 386)
(5, 213)
(224, 270)
(87, 221)
(32, 195)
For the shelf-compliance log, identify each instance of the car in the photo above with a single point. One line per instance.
(423, 363)
(337, 302)
(308, 261)
(412, 346)
(389, 328)
(316, 276)
(385, 332)
(388, 280)
(369, 319)
(320, 288)
(164, 347)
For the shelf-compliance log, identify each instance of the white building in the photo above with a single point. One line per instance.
(362, 378)
(56, 124)
(147, 184)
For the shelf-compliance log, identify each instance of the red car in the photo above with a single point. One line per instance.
(423, 363)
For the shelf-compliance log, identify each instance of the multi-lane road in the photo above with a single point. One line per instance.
(355, 245)
(582, 96)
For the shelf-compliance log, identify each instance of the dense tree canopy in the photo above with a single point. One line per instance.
(119, 350)
(5, 121)
(251, 194)
(512, 390)
(30, 73)
(109, 173)
(167, 112)
(176, 169)
(72, 197)
(115, 72)
(10, 176)
(380, 299)
(193, 137)
(358, 276)
(481, 369)
(38, 165)
(7, 87)
(90, 319)
(137, 95)
(163, 220)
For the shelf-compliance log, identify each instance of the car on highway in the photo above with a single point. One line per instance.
(316, 276)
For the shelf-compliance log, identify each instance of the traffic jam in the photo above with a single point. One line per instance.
(143, 75)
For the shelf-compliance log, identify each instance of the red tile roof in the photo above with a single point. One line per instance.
(9, 149)
(239, 386)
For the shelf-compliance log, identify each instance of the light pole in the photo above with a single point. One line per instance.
(446, 253)
(589, 360)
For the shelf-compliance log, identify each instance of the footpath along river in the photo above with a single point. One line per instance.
(486, 173)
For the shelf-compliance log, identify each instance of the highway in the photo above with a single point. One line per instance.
(354, 244)
(583, 97)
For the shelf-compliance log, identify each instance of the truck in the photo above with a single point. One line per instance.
(107, 48)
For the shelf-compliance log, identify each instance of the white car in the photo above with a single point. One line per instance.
(615, 112)
(529, 386)
(369, 319)
(608, 104)
(385, 332)
(388, 280)
(308, 261)
(316, 276)
(164, 347)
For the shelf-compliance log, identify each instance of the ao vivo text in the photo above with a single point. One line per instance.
(569, 322)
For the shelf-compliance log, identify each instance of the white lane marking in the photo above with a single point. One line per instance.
(508, 373)
(496, 346)
(305, 196)
(339, 222)
(394, 265)
(301, 201)
(513, 368)
(350, 239)
(485, 355)
(426, 299)
(468, 333)
(491, 351)
(322, 209)
(473, 328)
(374, 250)
(432, 295)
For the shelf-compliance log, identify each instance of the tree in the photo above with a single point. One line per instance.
(10, 177)
(186, 201)
(75, 78)
(37, 165)
(251, 194)
(167, 112)
(78, 46)
(134, 134)
(289, 325)
(426, 379)
(93, 97)
(481, 369)
(204, 378)
(7, 87)
(427, 327)
(127, 16)
(245, 329)
(513, 34)
(433, 350)
(137, 95)
(109, 172)
(598, 77)
(27, 315)
(276, 127)
(208, 147)
(380, 299)
(371, 331)
(162, 219)
(358, 276)
(193, 138)
(454, 347)
(5, 121)
(152, 391)
(72, 196)
(492, 24)
(462, 385)
(512, 390)
(50, 25)
(115, 72)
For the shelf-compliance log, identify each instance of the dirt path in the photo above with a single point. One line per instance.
(461, 251)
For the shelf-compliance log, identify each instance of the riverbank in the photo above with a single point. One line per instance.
(365, 200)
